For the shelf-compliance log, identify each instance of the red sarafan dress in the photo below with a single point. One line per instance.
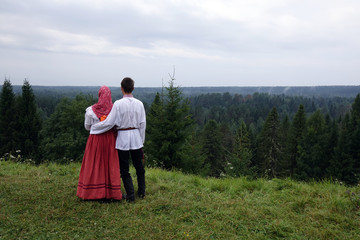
(100, 171)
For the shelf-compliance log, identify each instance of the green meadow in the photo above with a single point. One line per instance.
(39, 202)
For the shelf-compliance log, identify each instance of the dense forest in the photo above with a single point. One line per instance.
(304, 133)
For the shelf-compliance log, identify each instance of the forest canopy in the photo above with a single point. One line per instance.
(304, 133)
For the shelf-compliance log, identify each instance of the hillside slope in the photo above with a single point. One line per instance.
(39, 202)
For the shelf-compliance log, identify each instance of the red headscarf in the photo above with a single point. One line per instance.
(104, 104)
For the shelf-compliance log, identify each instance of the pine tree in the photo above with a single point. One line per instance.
(7, 119)
(27, 134)
(269, 150)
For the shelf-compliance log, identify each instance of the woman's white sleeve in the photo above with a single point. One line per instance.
(88, 121)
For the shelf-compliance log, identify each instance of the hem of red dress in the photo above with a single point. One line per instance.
(99, 198)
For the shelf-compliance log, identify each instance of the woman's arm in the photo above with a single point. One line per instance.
(89, 120)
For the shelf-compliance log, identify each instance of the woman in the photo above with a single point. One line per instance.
(100, 172)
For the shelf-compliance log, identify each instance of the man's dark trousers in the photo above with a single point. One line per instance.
(136, 157)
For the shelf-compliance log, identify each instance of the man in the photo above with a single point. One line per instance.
(128, 115)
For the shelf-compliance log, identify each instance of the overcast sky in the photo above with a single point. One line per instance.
(210, 42)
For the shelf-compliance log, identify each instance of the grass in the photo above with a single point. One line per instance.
(39, 202)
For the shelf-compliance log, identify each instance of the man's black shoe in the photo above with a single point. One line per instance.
(128, 199)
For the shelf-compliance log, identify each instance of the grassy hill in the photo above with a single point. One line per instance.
(39, 202)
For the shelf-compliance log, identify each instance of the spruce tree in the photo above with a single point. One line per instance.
(332, 132)
(240, 162)
(227, 138)
(295, 137)
(169, 124)
(27, 136)
(63, 135)
(192, 160)
(155, 134)
(345, 166)
(355, 135)
(270, 150)
(7, 119)
(313, 158)
(212, 149)
(342, 164)
(284, 171)
(355, 110)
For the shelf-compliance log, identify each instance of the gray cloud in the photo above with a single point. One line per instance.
(215, 42)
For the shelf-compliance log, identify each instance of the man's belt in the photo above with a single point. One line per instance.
(124, 129)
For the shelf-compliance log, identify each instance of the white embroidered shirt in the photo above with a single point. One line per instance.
(127, 112)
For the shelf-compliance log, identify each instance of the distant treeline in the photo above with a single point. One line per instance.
(299, 132)
(48, 96)
(305, 91)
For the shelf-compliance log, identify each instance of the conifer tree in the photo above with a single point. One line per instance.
(295, 137)
(240, 162)
(177, 126)
(227, 138)
(212, 149)
(284, 137)
(345, 166)
(313, 158)
(64, 136)
(155, 132)
(332, 132)
(355, 135)
(7, 118)
(192, 160)
(29, 123)
(342, 164)
(269, 150)
(355, 110)
(169, 124)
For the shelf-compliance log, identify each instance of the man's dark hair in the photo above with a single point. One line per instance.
(127, 84)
